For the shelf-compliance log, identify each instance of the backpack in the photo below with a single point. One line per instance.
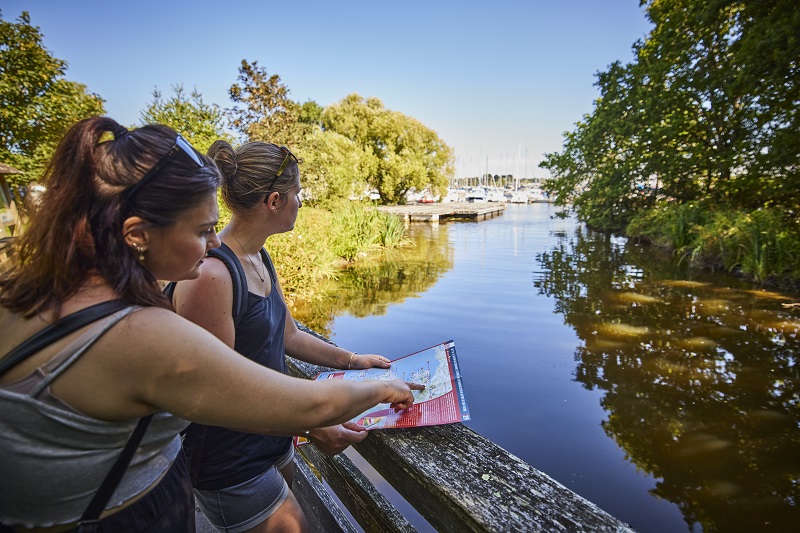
(229, 259)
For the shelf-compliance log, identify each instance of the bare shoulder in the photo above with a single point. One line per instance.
(155, 334)
(151, 322)
(214, 284)
(213, 272)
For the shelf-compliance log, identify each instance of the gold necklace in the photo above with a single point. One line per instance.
(259, 274)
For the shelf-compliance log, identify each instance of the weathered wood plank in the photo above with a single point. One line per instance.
(460, 481)
(321, 510)
(370, 508)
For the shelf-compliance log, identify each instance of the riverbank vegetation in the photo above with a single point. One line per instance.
(695, 144)
(325, 240)
(354, 153)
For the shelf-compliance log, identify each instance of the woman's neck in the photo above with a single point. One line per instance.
(249, 237)
(93, 290)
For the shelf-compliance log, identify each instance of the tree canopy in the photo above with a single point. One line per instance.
(707, 111)
(348, 147)
(264, 111)
(37, 104)
(334, 167)
(406, 155)
(200, 123)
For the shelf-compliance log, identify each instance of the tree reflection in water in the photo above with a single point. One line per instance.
(700, 378)
(369, 286)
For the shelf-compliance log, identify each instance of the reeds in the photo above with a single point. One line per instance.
(763, 243)
(324, 239)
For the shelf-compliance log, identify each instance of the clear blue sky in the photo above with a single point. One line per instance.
(493, 78)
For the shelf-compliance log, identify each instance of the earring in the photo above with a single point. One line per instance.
(139, 251)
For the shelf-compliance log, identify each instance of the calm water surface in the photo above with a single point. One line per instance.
(668, 398)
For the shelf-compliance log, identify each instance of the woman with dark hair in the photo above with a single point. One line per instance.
(242, 480)
(117, 216)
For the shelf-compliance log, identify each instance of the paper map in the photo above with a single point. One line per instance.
(442, 401)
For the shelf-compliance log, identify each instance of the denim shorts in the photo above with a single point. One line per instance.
(244, 506)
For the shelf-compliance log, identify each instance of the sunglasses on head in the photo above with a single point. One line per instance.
(289, 157)
(182, 148)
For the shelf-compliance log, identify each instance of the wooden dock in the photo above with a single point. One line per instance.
(447, 211)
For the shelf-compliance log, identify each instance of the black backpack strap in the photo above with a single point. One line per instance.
(109, 485)
(169, 291)
(231, 262)
(238, 277)
(57, 330)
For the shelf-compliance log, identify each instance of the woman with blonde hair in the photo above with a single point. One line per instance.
(98, 375)
(242, 481)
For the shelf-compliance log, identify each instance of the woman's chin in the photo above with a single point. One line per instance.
(192, 274)
(195, 272)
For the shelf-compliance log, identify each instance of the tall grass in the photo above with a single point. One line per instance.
(673, 226)
(763, 244)
(767, 246)
(323, 240)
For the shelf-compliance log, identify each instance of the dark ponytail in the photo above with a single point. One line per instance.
(77, 229)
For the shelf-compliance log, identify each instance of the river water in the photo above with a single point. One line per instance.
(667, 397)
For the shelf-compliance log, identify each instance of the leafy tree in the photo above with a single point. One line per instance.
(406, 155)
(693, 49)
(595, 174)
(334, 167)
(200, 123)
(706, 112)
(311, 113)
(37, 105)
(264, 111)
(768, 56)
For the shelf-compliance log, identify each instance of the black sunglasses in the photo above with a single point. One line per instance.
(181, 146)
(289, 157)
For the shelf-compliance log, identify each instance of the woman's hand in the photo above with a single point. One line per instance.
(369, 360)
(335, 439)
(399, 395)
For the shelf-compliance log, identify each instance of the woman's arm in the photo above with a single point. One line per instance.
(306, 347)
(158, 361)
(208, 300)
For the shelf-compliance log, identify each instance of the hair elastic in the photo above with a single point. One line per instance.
(119, 131)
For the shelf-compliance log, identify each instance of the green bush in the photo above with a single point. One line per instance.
(303, 257)
(324, 240)
(354, 232)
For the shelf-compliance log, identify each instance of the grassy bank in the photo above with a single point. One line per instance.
(763, 244)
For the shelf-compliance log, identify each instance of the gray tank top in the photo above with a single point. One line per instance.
(54, 458)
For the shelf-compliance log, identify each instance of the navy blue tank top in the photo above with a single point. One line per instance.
(218, 457)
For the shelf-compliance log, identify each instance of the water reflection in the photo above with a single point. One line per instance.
(370, 286)
(701, 384)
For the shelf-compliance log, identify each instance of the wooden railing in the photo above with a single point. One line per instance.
(455, 478)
